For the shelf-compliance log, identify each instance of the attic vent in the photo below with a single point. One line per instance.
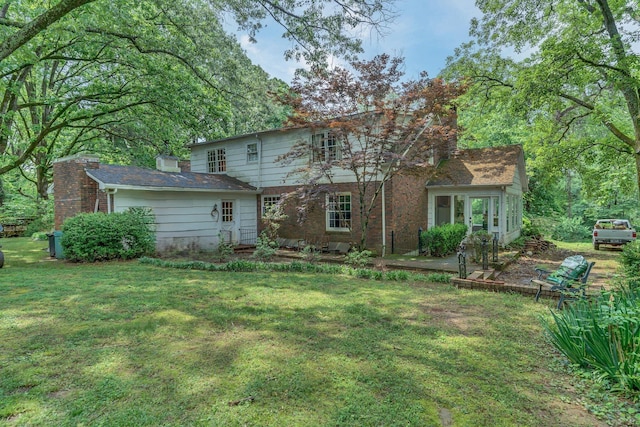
(167, 164)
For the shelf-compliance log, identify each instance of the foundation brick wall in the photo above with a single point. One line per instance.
(407, 196)
(406, 211)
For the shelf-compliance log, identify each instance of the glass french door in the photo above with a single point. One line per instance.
(479, 219)
(485, 214)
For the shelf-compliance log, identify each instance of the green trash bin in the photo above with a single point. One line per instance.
(57, 238)
(52, 245)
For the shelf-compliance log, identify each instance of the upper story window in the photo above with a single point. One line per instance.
(339, 212)
(325, 147)
(252, 152)
(431, 160)
(269, 202)
(216, 160)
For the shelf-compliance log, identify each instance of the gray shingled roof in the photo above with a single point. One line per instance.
(133, 177)
(481, 167)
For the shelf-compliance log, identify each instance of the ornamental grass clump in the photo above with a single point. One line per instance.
(602, 334)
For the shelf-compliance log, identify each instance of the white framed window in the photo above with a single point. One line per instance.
(252, 152)
(216, 160)
(325, 147)
(269, 202)
(339, 212)
(227, 211)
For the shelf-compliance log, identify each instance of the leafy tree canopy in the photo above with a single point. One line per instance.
(131, 79)
(574, 98)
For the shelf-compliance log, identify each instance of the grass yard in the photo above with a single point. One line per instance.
(127, 344)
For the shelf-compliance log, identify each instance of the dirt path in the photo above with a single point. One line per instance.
(605, 268)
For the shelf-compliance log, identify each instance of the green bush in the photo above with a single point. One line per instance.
(310, 254)
(39, 235)
(529, 228)
(439, 277)
(266, 248)
(474, 243)
(224, 250)
(94, 237)
(602, 335)
(358, 259)
(443, 240)
(570, 230)
(630, 260)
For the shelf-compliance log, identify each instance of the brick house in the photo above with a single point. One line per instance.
(231, 181)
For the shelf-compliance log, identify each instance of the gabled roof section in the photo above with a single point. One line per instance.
(493, 166)
(136, 178)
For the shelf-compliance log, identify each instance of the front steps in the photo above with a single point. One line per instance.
(482, 275)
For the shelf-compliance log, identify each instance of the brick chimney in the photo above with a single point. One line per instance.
(73, 191)
(184, 165)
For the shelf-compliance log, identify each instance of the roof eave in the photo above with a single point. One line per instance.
(104, 186)
(463, 186)
(107, 186)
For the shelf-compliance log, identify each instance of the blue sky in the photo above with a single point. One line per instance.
(425, 32)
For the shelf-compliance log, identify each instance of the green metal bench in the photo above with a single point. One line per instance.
(569, 280)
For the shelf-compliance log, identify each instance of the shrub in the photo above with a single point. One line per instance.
(224, 249)
(94, 237)
(398, 275)
(310, 254)
(474, 242)
(39, 235)
(272, 218)
(266, 248)
(529, 229)
(364, 273)
(630, 260)
(443, 240)
(570, 230)
(439, 277)
(43, 222)
(358, 259)
(240, 265)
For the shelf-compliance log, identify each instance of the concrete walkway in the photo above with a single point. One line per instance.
(432, 264)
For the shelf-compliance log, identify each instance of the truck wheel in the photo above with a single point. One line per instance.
(596, 246)
(1, 259)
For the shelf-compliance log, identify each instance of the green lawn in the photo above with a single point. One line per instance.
(120, 344)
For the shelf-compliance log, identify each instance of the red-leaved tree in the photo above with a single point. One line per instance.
(376, 126)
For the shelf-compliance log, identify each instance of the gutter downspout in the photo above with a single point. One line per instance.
(110, 191)
(259, 186)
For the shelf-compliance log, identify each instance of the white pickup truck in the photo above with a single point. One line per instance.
(612, 232)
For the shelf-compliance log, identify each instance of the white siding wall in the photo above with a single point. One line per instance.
(268, 172)
(183, 219)
(517, 183)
